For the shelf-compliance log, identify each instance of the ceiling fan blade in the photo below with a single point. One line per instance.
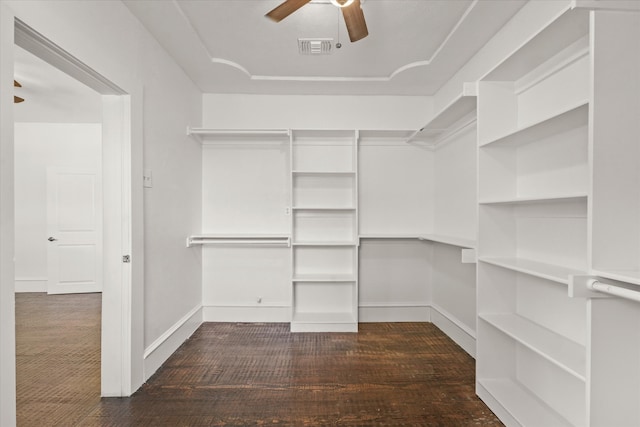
(354, 18)
(17, 99)
(285, 9)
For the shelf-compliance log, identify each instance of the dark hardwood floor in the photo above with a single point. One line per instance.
(235, 374)
(57, 358)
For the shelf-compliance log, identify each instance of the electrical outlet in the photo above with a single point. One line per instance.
(287, 210)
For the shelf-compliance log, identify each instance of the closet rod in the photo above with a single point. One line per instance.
(285, 241)
(596, 285)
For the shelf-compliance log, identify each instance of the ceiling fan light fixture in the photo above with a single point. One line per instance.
(346, 3)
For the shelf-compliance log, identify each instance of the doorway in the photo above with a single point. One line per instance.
(121, 330)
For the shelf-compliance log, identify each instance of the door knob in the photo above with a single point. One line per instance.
(52, 239)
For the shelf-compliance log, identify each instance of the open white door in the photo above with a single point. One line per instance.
(74, 225)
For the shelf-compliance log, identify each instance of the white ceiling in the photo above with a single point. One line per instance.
(51, 96)
(413, 47)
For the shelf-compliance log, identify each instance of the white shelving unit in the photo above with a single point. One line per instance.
(533, 168)
(324, 229)
(559, 172)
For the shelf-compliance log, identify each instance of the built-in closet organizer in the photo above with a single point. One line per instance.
(558, 164)
(285, 214)
(245, 236)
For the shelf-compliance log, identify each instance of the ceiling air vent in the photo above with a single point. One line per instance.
(315, 46)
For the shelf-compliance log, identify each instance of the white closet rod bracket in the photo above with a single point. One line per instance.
(595, 287)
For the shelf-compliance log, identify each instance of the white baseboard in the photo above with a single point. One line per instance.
(495, 406)
(393, 312)
(246, 313)
(160, 350)
(456, 330)
(31, 284)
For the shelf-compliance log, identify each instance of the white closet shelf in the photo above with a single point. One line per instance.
(390, 236)
(324, 173)
(534, 199)
(346, 278)
(327, 243)
(563, 121)
(442, 121)
(384, 134)
(554, 273)
(526, 408)
(436, 238)
(449, 240)
(562, 352)
(323, 133)
(323, 208)
(627, 276)
(202, 134)
(240, 239)
(564, 31)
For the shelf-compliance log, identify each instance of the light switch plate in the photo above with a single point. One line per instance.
(147, 179)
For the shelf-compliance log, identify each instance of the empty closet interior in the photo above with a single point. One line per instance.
(511, 220)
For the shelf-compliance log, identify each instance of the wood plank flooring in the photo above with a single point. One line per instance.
(57, 358)
(235, 374)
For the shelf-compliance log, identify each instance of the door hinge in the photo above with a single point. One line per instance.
(126, 258)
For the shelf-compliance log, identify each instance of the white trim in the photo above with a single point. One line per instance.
(394, 312)
(450, 136)
(463, 335)
(267, 313)
(31, 284)
(525, 84)
(7, 229)
(166, 344)
(392, 75)
(37, 44)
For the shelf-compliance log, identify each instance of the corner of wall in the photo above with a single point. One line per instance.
(161, 349)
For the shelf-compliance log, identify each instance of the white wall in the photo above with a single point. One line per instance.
(37, 147)
(455, 186)
(235, 111)
(105, 36)
(246, 189)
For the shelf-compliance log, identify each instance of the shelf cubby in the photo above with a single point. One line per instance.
(552, 272)
(324, 305)
(523, 405)
(566, 354)
(550, 232)
(324, 226)
(329, 190)
(541, 301)
(542, 391)
(549, 160)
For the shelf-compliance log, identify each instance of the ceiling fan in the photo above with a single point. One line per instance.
(351, 11)
(17, 99)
